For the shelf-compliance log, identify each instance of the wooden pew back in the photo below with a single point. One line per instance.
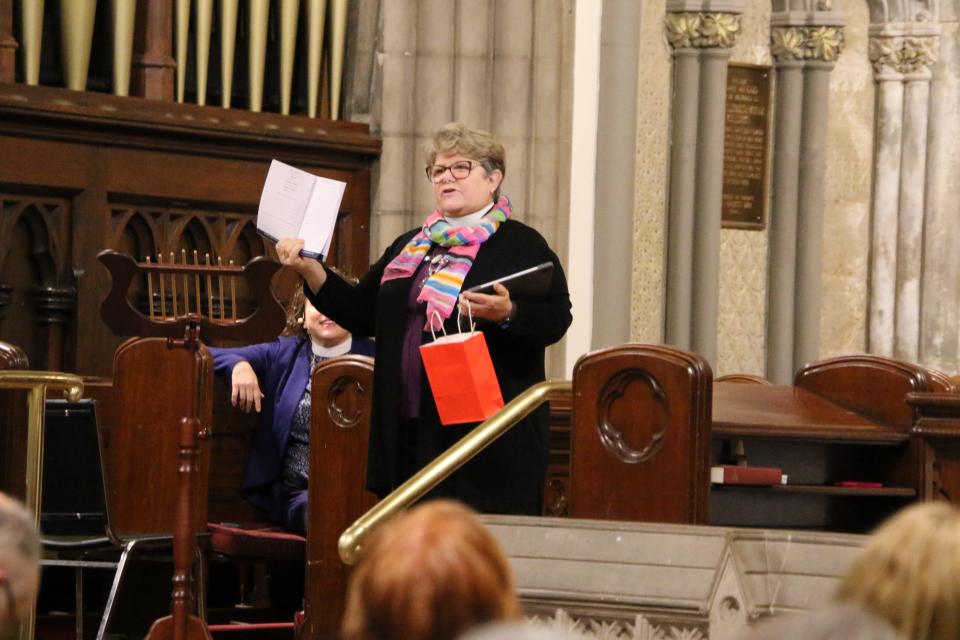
(641, 435)
(339, 436)
(872, 386)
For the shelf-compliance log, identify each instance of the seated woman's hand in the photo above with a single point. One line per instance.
(288, 250)
(245, 388)
(496, 307)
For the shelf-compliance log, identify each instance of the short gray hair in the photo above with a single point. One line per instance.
(482, 146)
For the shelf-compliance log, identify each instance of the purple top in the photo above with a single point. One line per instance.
(411, 366)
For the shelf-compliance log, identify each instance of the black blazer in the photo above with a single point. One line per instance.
(508, 476)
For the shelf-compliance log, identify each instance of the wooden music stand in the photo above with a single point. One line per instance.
(184, 331)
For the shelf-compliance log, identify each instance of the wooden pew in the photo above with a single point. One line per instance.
(339, 435)
(844, 419)
(936, 445)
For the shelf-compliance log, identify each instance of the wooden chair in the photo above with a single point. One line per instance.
(141, 454)
(641, 413)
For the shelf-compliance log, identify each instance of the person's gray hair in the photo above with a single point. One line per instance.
(482, 146)
(19, 550)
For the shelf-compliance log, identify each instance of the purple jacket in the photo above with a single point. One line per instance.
(283, 367)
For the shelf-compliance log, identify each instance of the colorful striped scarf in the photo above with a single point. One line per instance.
(442, 288)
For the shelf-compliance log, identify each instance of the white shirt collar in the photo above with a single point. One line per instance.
(471, 219)
(334, 351)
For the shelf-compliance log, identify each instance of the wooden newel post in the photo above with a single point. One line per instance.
(181, 625)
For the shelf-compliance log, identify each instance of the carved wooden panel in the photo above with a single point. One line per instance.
(37, 293)
(641, 431)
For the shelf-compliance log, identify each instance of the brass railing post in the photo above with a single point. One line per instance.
(36, 383)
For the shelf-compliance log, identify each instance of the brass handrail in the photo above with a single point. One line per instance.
(445, 464)
(36, 384)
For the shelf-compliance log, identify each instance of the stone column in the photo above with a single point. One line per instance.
(805, 54)
(701, 45)
(902, 56)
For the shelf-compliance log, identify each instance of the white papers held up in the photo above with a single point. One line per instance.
(297, 204)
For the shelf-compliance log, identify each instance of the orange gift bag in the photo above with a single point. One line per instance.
(461, 376)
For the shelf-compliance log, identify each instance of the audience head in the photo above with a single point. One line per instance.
(429, 574)
(909, 573)
(19, 562)
(834, 623)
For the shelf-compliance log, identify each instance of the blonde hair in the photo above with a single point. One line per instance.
(480, 145)
(909, 573)
(430, 574)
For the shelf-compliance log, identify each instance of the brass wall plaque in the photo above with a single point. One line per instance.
(746, 147)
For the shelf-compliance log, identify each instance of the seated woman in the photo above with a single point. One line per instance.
(276, 476)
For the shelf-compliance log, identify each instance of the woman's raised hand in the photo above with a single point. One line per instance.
(288, 250)
(245, 388)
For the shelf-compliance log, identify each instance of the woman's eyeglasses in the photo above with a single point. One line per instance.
(459, 170)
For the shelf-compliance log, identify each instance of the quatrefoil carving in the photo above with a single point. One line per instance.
(612, 435)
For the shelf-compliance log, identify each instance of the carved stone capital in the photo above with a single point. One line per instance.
(699, 30)
(907, 55)
(821, 43)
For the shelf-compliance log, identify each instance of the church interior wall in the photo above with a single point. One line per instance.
(847, 190)
(741, 330)
(653, 109)
(940, 317)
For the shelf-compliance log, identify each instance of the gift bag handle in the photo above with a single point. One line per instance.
(473, 326)
(433, 332)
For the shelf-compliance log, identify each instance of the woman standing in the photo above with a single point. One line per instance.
(469, 239)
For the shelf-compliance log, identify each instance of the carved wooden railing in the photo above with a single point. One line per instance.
(141, 34)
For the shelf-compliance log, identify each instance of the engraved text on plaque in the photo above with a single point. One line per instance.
(746, 145)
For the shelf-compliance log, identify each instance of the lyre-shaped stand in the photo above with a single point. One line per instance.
(184, 332)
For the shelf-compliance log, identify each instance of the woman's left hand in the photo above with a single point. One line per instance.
(496, 307)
